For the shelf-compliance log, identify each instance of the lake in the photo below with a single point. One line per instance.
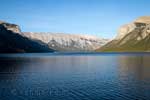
(73, 76)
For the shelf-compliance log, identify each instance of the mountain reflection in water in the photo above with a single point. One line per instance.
(75, 77)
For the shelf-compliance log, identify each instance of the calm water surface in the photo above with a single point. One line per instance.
(75, 77)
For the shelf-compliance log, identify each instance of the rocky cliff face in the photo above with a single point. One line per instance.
(12, 42)
(131, 37)
(12, 27)
(68, 42)
(139, 24)
(124, 30)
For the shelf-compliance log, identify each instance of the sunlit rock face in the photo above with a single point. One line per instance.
(124, 30)
(133, 37)
(55, 41)
(141, 24)
(12, 27)
(143, 20)
(68, 42)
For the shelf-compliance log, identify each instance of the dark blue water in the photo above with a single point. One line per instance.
(75, 76)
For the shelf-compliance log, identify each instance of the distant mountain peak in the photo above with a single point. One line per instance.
(67, 42)
(12, 39)
(12, 27)
(2, 22)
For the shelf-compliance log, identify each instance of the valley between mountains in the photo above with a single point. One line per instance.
(132, 37)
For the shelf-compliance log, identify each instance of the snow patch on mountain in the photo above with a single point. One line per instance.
(68, 42)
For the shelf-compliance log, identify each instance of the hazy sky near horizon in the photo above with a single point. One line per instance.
(95, 17)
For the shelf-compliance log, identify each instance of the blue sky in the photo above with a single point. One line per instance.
(96, 17)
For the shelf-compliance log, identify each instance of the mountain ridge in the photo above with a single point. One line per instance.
(67, 42)
(14, 40)
(133, 37)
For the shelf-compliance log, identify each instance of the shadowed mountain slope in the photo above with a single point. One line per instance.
(12, 42)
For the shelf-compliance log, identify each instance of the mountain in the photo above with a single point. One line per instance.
(67, 42)
(132, 37)
(12, 42)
